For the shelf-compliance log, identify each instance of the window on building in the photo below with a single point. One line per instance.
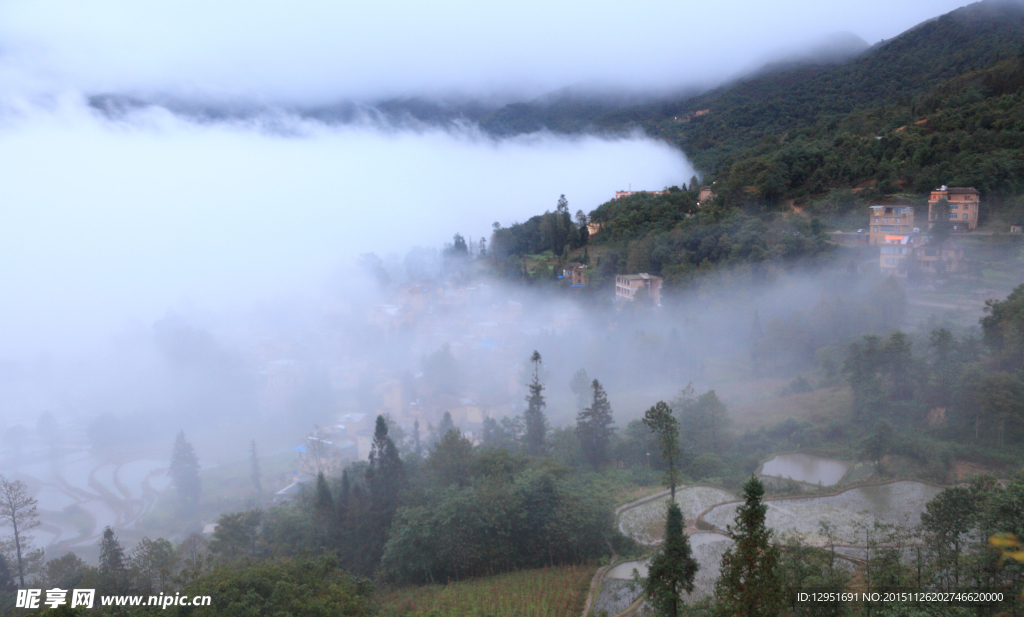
(953, 207)
(965, 216)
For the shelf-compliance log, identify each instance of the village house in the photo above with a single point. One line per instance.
(691, 116)
(889, 224)
(627, 286)
(896, 255)
(706, 194)
(904, 251)
(963, 206)
(575, 272)
(936, 259)
(891, 227)
(621, 194)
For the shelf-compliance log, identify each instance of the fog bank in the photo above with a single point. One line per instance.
(113, 220)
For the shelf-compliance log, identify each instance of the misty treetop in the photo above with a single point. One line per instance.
(672, 568)
(595, 426)
(184, 470)
(18, 510)
(751, 580)
(535, 422)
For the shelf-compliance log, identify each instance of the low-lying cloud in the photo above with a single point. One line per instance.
(112, 219)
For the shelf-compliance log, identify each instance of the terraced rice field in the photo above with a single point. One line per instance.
(707, 550)
(79, 495)
(645, 523)
(849, 513)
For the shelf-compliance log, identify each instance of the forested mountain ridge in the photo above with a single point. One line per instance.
(740, 114)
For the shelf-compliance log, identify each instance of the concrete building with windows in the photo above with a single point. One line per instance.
(706, 195)
(940, 258)
(576, 273)
(621, 194)
(896, 255)
(887, 223)
(964, 203)
(627, 286)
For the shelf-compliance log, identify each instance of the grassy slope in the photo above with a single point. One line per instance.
(547, 592)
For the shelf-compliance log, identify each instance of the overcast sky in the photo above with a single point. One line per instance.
(106, 220)
(324, 49)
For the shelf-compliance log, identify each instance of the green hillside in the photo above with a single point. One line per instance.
(806, 129)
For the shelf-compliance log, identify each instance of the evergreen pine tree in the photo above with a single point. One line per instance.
(446, 425)
(184, 470)
(7, 582)
(385, 478)
(113, 567)
(660, 421)
(323, 506)
(417, 446)
(344, 514)
(580, 386)
(536, 423)
(751, 583)
(323, 501)
(385, 475)
(673, 567)
(255, 474)
(594, 425)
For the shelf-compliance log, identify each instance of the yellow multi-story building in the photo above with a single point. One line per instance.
(963, 206)
(890, 223)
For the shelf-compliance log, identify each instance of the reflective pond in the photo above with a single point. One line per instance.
(806, 468)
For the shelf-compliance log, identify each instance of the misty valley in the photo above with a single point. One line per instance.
(749, 344)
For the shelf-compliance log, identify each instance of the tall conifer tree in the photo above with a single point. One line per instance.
(673, 567)
(184, 470)
(751, 583)
(660, 421)
(255, 474)
(113, 568)
(536, 423)
(385, 478)
(595, 426)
